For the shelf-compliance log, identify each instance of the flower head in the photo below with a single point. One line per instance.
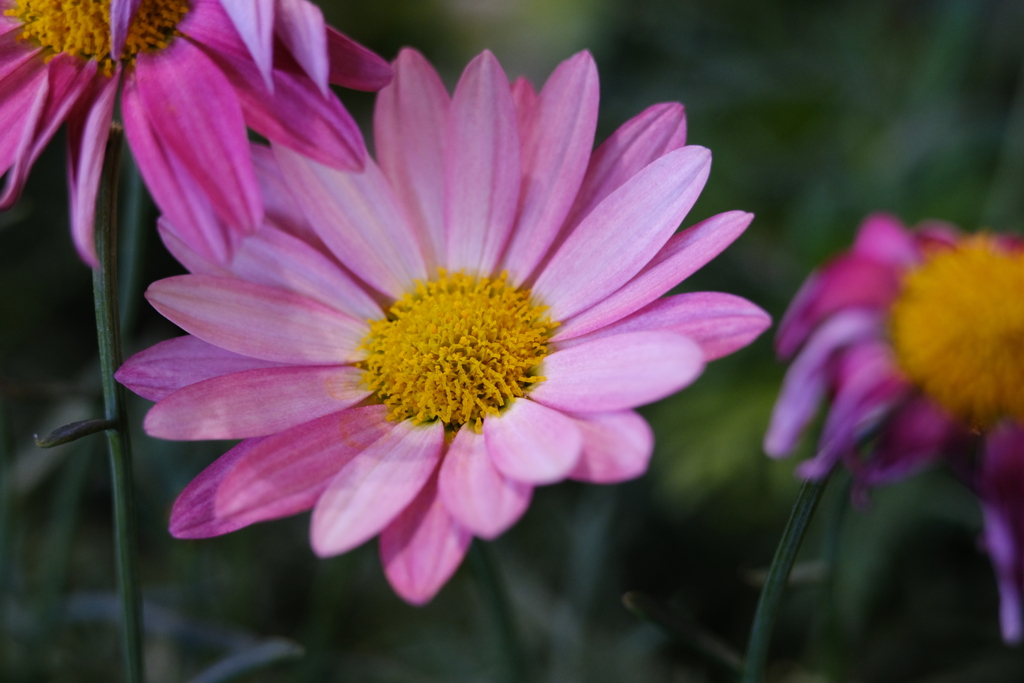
(409, 351)
(191, 87)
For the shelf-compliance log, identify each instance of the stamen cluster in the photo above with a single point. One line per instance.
(456, 349)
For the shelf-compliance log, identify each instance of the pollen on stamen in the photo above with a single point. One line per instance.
(958, 331)
(456, 349)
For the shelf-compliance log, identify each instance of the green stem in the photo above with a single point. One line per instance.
(133, 244)
(483, 567)
(104, 284)
(778, 575)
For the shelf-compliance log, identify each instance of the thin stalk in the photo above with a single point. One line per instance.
(133, 243)
(483, 568)
(778, 575)
(108, 330)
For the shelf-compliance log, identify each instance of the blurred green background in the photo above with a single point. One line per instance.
(816, 113)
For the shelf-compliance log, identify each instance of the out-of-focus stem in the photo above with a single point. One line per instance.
(133, 244)
(494, 593)
(108, 330)
(778, 574)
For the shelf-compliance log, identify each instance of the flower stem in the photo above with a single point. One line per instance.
(108, 331)
(778, 575)
(133, 244)
(486, 574)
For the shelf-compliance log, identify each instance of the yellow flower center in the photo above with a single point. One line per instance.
(958, 329)
(82, 27)
(456, 349)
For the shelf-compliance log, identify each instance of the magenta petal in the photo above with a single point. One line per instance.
(719, 323)
(623, 233)
(618, 372)
(422, 547)
(254, 21)
(682, 255)
(531, 443)
(274, 476)
(121, 14)
(181, 249)
(253, 403)
(409, 124)
(359, 219)
(353, 66)
(884, 238)
(476, 493)
(806, 380)
(170, 365)
(88, 129)
(257, 320)
(1001, 489)
(649, 135)
(374, 487)
(194, 113)
(300, 26)
(556, 148)
(481, 168)
(912, 439)
(616, 447)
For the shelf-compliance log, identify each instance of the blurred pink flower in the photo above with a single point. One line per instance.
(192, 83)
(411, 350)
(915, 338)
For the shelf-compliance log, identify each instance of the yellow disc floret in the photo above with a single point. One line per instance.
(456, 349)
(82, 27)
(958, 329)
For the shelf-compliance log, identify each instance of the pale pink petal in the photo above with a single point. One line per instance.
(1001, 489)
(255, 402)
(300, 26)
(88, 129)
(531, 443)
(807, 378)
(374, 487)
(719, 323)
(476, 493)
(254, 21)
(170, 365)
(618, 372)
(409, 124)
(194, 113)
(883, 237)
(257, 320)
(121, 14)
(556, 148)
(616, 447)
(422, 547)
(649, 135)
(481, 168)
(274, 476)
(682, 255)
(181, 249)
(359, 219)
(524, 98)
(278, 202)
(353, 66)
(623, 233)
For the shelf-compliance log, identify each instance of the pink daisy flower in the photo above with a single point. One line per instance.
(411, 350)
(190, 87)
(915, 337)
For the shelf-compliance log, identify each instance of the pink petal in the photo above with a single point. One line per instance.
(531, 443)
(359, 219)
(23, 94)
(618, 372)
(374, 487)
(481, 168)
(807, 378)
(422, 547)
(353, 66)
(278, 202)
(651, 134)
(911, 440)
(300, 26)
(616, 447)
(682, 255)
(524, 98)
(409, 126)
(556, 149)
(170, 365)
(194, 113)
(180, 248)
(255, 402)
(88, 129)
(622, 234)
(257, 320)
(719, 323)
(1001, 489)
(274, 476)
(121, 14)
(254, 21)
(476, 493)
(884, 238)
